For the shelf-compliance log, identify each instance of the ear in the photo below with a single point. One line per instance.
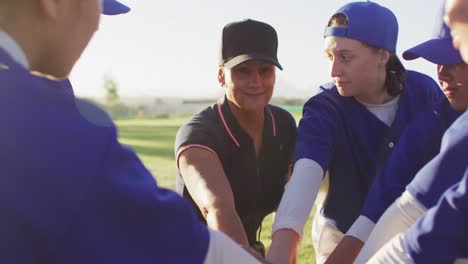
(49, 8)
(221, 76)
(384, 57)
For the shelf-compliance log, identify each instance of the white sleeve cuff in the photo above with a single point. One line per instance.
(403, 213)
(299, 196)
(223, 250)
(392, 252)
(361, 228)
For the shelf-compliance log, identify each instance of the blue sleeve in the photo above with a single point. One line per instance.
(70, 193)
(316, 132)
(446, 168)
(131, 220)
(418, 144)
(441, 235)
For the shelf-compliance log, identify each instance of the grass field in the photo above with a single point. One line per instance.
(153, 140)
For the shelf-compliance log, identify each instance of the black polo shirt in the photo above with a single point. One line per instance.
(257, 184)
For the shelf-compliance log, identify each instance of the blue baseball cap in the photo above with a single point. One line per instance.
(368, 22)
(113, 7)
(438, 50)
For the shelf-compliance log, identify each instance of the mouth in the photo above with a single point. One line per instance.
(255, 94)
(340, 83)
(449, 91)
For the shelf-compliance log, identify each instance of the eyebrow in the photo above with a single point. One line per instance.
(327, 50)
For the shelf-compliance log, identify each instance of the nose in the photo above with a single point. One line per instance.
(255, 79)
(335, 69)
(444, 73)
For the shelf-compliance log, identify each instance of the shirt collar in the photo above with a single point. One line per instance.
(9, 45)
(230, 123)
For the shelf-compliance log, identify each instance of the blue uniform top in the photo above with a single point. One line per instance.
(441, 234)
(345, 138)
(445, 169)
(70, 193)
(419, 143)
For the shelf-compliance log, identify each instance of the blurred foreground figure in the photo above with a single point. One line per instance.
(69, 192)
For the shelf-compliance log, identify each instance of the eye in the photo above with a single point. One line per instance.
(345, 57)
(241, 70)
(265, 70)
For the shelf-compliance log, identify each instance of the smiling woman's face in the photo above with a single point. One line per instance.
(249, 85)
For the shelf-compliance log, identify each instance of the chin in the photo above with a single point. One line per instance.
(343, 92)
(458, 106)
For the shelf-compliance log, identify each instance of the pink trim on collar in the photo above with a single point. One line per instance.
(226, 126)
(273, 123)
(184, 148)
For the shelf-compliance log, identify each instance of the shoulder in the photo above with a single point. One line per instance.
(457, 132)
(326, 103)
(421, 90)
(327, 94)
(204, 120)
(420, 81)
(93, 114)
(202, 128)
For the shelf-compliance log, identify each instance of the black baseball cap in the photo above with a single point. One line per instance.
(248, 40)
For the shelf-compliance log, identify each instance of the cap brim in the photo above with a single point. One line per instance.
(438, 51)
(112, 7)
(247, 57)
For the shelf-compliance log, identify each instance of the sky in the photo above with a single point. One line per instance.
(170, 48)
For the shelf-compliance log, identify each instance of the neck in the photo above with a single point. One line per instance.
(27, 42)
(376, 94)
(375, 97)
(251, 121)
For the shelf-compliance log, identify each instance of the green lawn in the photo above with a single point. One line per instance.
(153, 140)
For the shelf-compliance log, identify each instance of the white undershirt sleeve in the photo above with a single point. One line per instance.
(299, 196)
(361, 228)
(392, 252)
(404, 212)
(223, 250)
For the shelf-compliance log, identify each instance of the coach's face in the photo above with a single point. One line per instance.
(357, 70)
(457, 19)
(454, 82)
(249, 85)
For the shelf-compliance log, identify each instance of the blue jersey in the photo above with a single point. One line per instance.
(441, 235)
(345, 138)
(70, 193)
(419, 143)
(446, 168)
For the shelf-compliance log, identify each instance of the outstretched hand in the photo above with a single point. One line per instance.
(255, 254)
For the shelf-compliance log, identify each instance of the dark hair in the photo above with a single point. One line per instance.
(396, 73)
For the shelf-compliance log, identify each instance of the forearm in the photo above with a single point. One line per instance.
(223, 250)
(209, 187)
(299, 196)
(397, 219)
(392, 252)
(294, 209)
(346, 251)
(227, 220)
(283, 246)
(349, 247)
